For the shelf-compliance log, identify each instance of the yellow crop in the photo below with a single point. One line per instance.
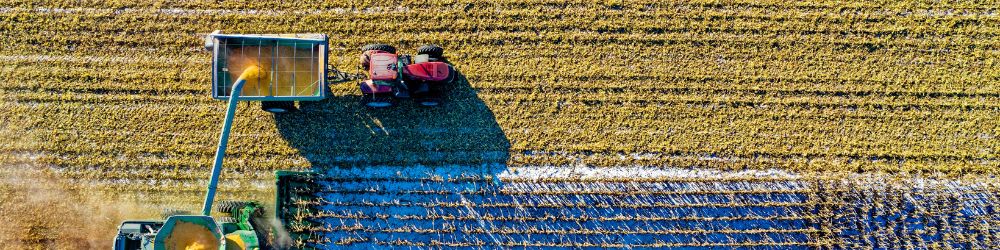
(855, 107)
(252, 72)
(191, 236)
(294, 77)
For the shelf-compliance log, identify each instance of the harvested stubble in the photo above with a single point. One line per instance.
(814, 87)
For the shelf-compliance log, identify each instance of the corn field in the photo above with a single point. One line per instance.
(583, 124)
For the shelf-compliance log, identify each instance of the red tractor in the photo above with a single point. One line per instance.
(392, 76)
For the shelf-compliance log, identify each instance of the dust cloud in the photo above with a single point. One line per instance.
(40, 211)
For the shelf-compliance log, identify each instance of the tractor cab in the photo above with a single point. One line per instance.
(392, 76)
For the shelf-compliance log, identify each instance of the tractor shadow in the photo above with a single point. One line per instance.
(383, 161)
(339, 132)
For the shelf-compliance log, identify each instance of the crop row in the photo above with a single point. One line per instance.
(543, 218)
(172, 43)
(914, 8)
(528, 20)
(559, 99)
(940, 213)
(764, 89)
(890, 133)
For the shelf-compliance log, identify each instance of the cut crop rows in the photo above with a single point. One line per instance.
(113, 98)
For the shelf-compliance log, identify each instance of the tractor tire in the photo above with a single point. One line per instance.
(171, 212)
(229, 206)
(379, 46)
(431, 97)
(278, 107)
(429, 102)
(433, 51)
(452, 75)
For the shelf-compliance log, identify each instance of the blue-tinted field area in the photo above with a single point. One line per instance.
(482, 206)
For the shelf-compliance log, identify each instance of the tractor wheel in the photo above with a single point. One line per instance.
(433, 51)
(378, 101)
(452, 75)
(379, 46)
(229, 206)
(429, 102)
(278, 107)
(171, 212)
(431, 98)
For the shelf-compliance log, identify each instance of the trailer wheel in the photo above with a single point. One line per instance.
(433, 51)
(278, 107)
